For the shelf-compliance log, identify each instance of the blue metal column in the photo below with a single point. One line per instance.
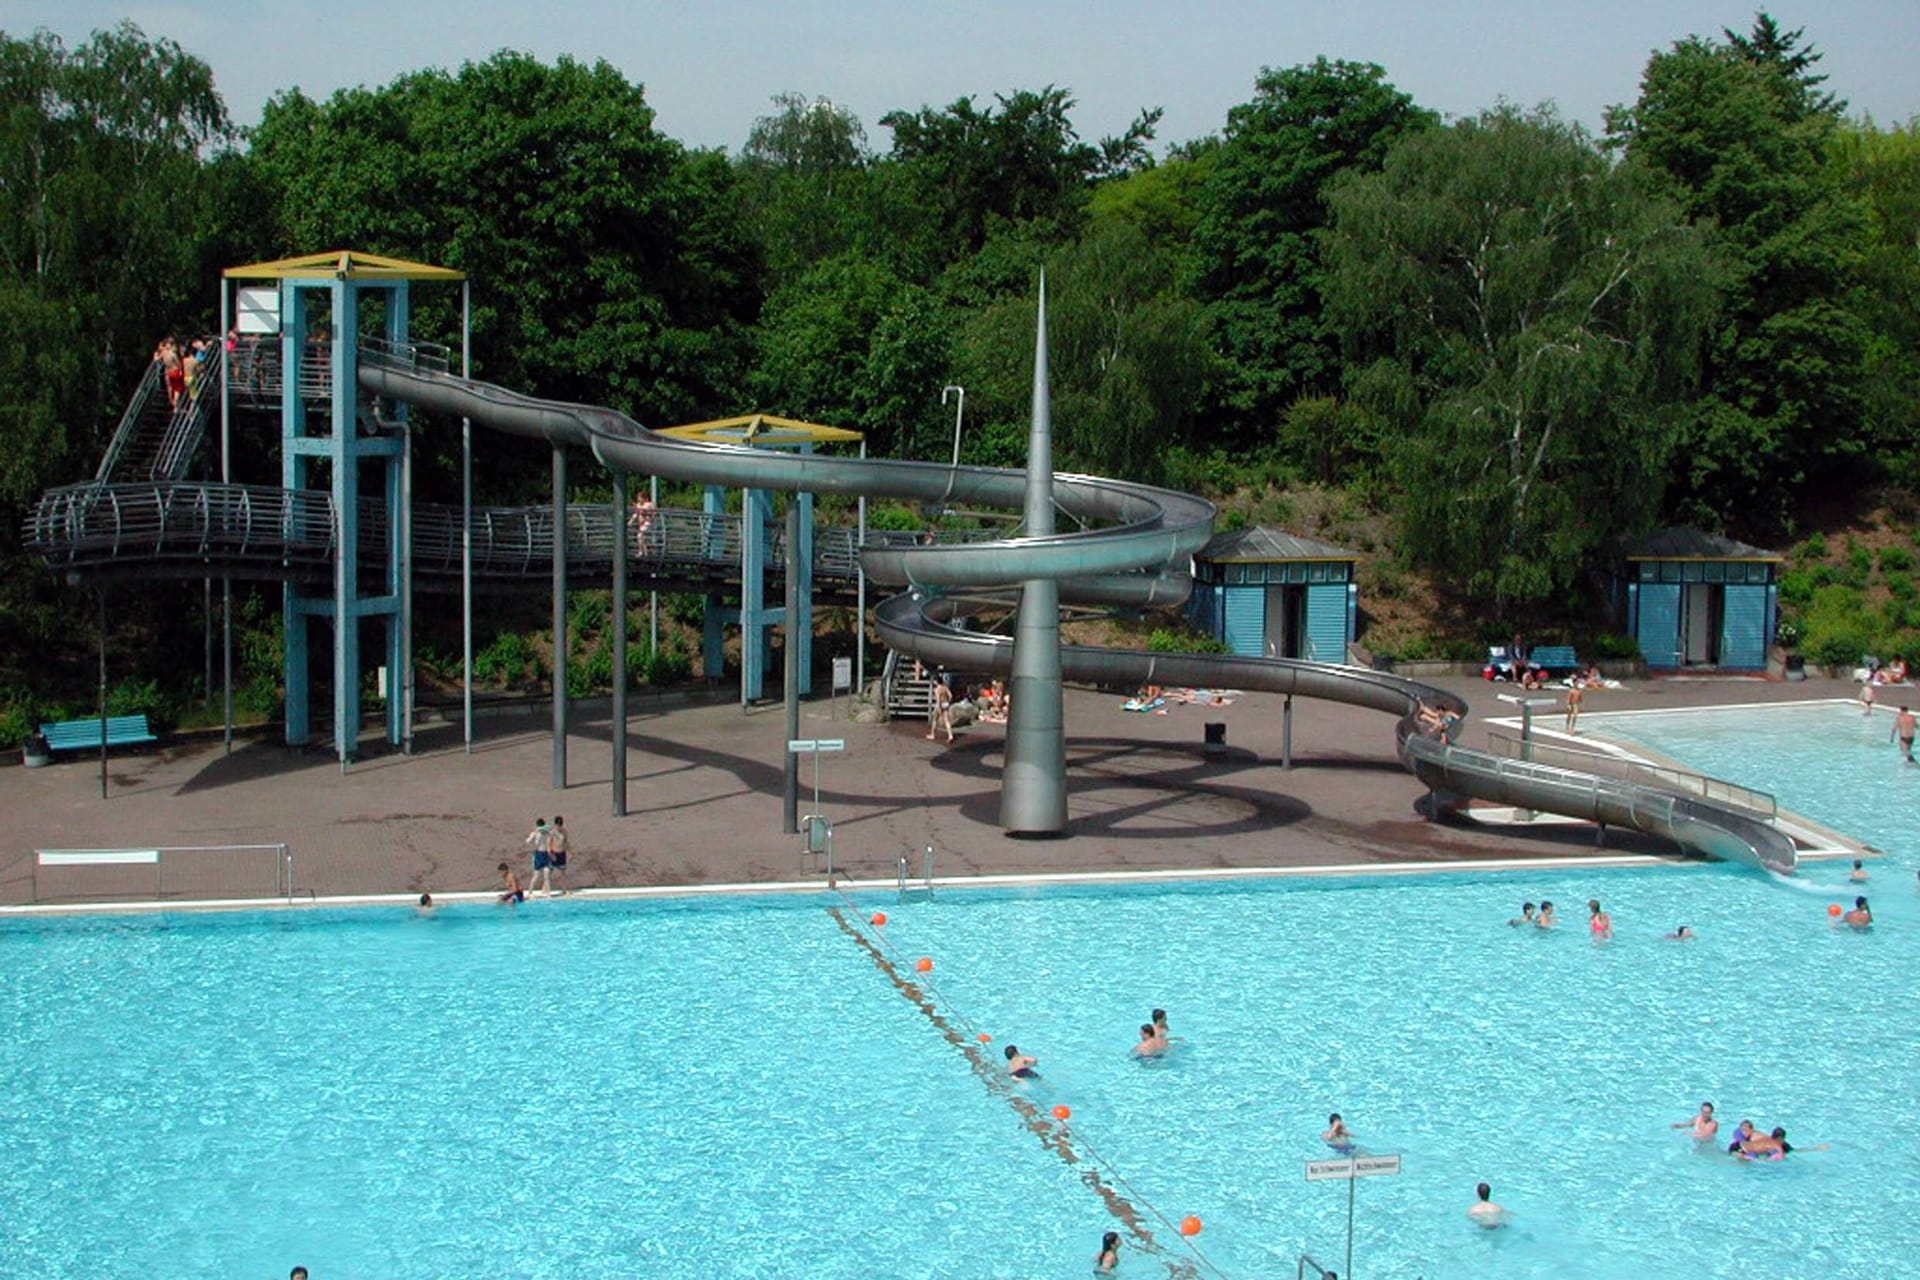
(344, 350)
(622, 552)
(801, 601)
(713, 637)
(293, 476)
(756, 619)
(400, 552)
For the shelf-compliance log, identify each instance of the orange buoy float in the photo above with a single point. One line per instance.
(1190, 1225)
(985, 1038)
(1063, 1112)
(879, 918)
(924, 964)
(1833, 909)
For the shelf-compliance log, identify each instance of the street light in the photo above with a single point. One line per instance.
(959, 411)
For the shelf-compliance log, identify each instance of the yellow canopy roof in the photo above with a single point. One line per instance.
(344, 264)
(761, 429)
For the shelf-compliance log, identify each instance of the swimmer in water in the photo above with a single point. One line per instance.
(1742, 1134)
(1108, 1259)
(1526, 915)
(1152, 1043)
(1599, 921)
(1337, 1135)
(1682, 934)
(1546, 919)
(1860, 917)
(1159, 1020)
(1859, 872)
(510, 886)
(425, 906)
(1020, 1065)
(1702, 1126)
(1487, 1213)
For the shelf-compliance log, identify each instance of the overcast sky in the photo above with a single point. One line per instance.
(709, 66)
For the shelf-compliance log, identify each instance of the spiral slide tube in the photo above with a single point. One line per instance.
(1143, 531)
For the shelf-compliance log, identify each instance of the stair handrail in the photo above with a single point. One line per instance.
(152, 380)
(189, 419)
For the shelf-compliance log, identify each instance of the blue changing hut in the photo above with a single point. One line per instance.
(1266, 593)
(1700, 600)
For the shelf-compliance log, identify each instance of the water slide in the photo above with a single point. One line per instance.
(1134, 550)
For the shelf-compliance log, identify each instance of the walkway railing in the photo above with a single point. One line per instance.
(1639, 772)
(125, 525)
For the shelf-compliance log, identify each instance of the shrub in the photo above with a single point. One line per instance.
(1838, 632)
(1183, 640)
(587, 613)
(506, 661)
(1895, 559)
(1814, 548)
(132, 697)
(657, 666)
(1612, 646)
(1859, 568)
(893, 516)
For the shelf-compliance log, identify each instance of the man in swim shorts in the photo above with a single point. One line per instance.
(1546, 919)
(1703, 1125)
(510, 890)
(1151, 1045)
(1526, 915)
(1860, 917)
(540, 839)
(1020, 1065)
(1903, 726)
(1337, 1135)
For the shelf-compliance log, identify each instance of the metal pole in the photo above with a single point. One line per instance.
(653, 596)
(1286, 733)
(226, 584)
(860, 590)
(466, 523)
(404, 536)
(619, 644)
(206, 633)
(790, 676)
(1351, 1182)
(103, 693)
(559, 618)
(959, 411)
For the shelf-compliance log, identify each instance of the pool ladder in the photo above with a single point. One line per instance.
(905, 874)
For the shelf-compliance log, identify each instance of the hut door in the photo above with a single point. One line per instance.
(1286, 621)
(1698, 631)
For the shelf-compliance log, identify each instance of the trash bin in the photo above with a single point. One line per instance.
(36, 752)
(1216, 741)
(1796, 666)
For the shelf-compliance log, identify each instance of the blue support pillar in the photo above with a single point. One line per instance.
(756, 619)
(713, 652)
(346, 511)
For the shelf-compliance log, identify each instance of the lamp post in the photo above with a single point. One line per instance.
(959, 411)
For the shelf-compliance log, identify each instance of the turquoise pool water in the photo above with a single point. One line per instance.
(702, 1088)
(1823, 759)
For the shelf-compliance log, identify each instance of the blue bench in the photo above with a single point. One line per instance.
(80, 735)
(1553, 659)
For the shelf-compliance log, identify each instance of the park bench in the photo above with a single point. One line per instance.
(81, 735)
(1554, 659)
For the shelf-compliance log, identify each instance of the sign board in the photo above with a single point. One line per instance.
(257, 309)
(98, 857)
(842, 674)
(1352, 1167)
(816, 745)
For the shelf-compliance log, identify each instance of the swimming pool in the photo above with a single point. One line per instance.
(1823, 759)
(715, 1088)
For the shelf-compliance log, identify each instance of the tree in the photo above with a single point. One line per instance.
(1257, 257)
(851, 344)
(803, 180)
(1881, 169)
(1128, 357)
(1527, 315)
(963, 167)
(1739, 133)
(610, 263)
(103, 213)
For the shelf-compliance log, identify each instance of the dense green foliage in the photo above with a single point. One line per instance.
(1515, 342)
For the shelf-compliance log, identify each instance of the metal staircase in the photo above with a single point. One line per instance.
(908, 687)
(156, 440)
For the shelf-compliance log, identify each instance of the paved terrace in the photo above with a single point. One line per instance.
(705, 801)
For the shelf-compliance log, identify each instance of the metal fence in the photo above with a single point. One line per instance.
(163, 873)
(1644, 773)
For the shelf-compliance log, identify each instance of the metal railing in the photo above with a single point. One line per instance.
(151, 383)
(162, 872)
(188, 422)
(1760, 804)
(1309, 1267)
(96, 524)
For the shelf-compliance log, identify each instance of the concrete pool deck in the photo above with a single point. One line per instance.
(704, 799)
